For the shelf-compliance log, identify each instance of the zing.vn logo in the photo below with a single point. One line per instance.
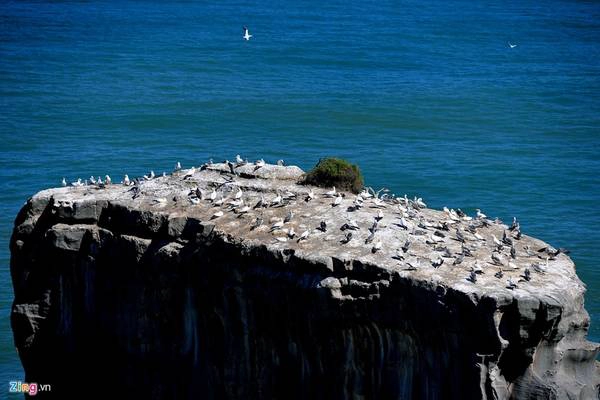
(29, 388)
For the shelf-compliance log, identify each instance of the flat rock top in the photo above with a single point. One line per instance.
(432, 233)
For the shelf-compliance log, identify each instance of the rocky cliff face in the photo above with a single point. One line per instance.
(178, 301)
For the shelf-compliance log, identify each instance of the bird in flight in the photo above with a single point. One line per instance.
(512, 46)
(247, 34)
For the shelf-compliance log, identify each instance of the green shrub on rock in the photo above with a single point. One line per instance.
(336, 172)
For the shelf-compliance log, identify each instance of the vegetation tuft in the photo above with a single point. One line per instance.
(336, 172)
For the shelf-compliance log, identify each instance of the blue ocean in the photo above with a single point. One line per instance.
(428, 98)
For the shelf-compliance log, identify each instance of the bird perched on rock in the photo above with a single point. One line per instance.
(126, 180)
(480, 215)
(291, 233)
(379, 216)
(178, 166)
(277, 225)
(260, 203)
(472, 277)
(458, 259)
(337, 201)
(322, 226)
(107, 179)
(499, 274)
(437, 262)
(189, 174)
(331, 193)
(64, 182)
(304, 235)
(376, 247)
(217, 215)
(511, 284)
(310, 195)
(405, 246)
(277, 200)
(347, 238)
(496, 259)
(257, 222)
(527, 274)
(288, 217)
(280, 163)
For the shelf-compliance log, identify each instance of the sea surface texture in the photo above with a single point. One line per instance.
(427, 97)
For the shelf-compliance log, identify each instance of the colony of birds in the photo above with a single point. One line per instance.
(398, 231)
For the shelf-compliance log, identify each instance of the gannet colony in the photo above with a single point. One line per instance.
(233, 280)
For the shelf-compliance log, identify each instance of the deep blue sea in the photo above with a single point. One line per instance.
(427, 97)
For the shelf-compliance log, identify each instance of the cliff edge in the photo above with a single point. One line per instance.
(237, 282)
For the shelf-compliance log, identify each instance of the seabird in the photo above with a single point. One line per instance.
(480, 215)
(194, 200)
(257, 222)
(291, 233)
(331, 193)
(64, 182)
(217, 215)
(512, 46)
(459, 236)
(213, 195)
(247, 34)
(498, 243)
(277, 200)
(190, 173)
(379, 215)
(506, 239)
(406, 246)
(280, 163)
(511, 284)
(277, 225)
(403, 224)
(527, 274)
(310, 195)
(437, 263)
(288, 217)
(259, 163)
(218, 202)
(322, 226)
(376, 247)
(347, 238)
(260, 203)
(458, 259)
(513, 252)
(238, 159)
(514, 225)
(496, 259)
(337, 201)
(231, 167)
(178, 166)
(239, 194)
(466, 251)
(107, 179)
(472, 277)
(92, 180)
(243, 210)
(126, 180)
(304, 235)
(477, 268)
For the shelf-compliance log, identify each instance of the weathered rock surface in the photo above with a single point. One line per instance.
(180, 303)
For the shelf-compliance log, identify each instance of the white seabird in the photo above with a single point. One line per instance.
(512, 46)
(480, 215)
(217, 215)
(337, 201)
(213, 196)
(107, 179)
(126, 180)
(178, 166)
(331, 193)
(64, 182)
(247, 34)
(239, 194)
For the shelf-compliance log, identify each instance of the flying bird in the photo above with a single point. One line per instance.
(247, 34)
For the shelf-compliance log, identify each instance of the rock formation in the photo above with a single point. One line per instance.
(148, 291)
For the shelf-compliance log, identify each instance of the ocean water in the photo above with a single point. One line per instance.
(427, 97)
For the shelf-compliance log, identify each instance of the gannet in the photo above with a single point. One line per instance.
(190, 173)
(217, 215)
(480, 215)
(281, 163)
(239, 194)
(126, 180)
(258, 222)
(77, 183)
(379, 215)
(288, 217)
(527, 274)
(472, 277)
(64, 182)
(247, 34)
(92, 180)
(194, 200)
(496, 259)
(512, 46)
(238, 159)
(178, 166)
(277, 225)
(243, 210)
(277, 200)
(346, 238)
(322, 226)
(310, 195)
(331, 193)
(213, 195)
(337, 201)
(260, 203)
(511, 284)
(437, 263)
(376, 247)
(304, 235)
(406, 246)
(107, 179)
(477, 268)
(291, 233)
